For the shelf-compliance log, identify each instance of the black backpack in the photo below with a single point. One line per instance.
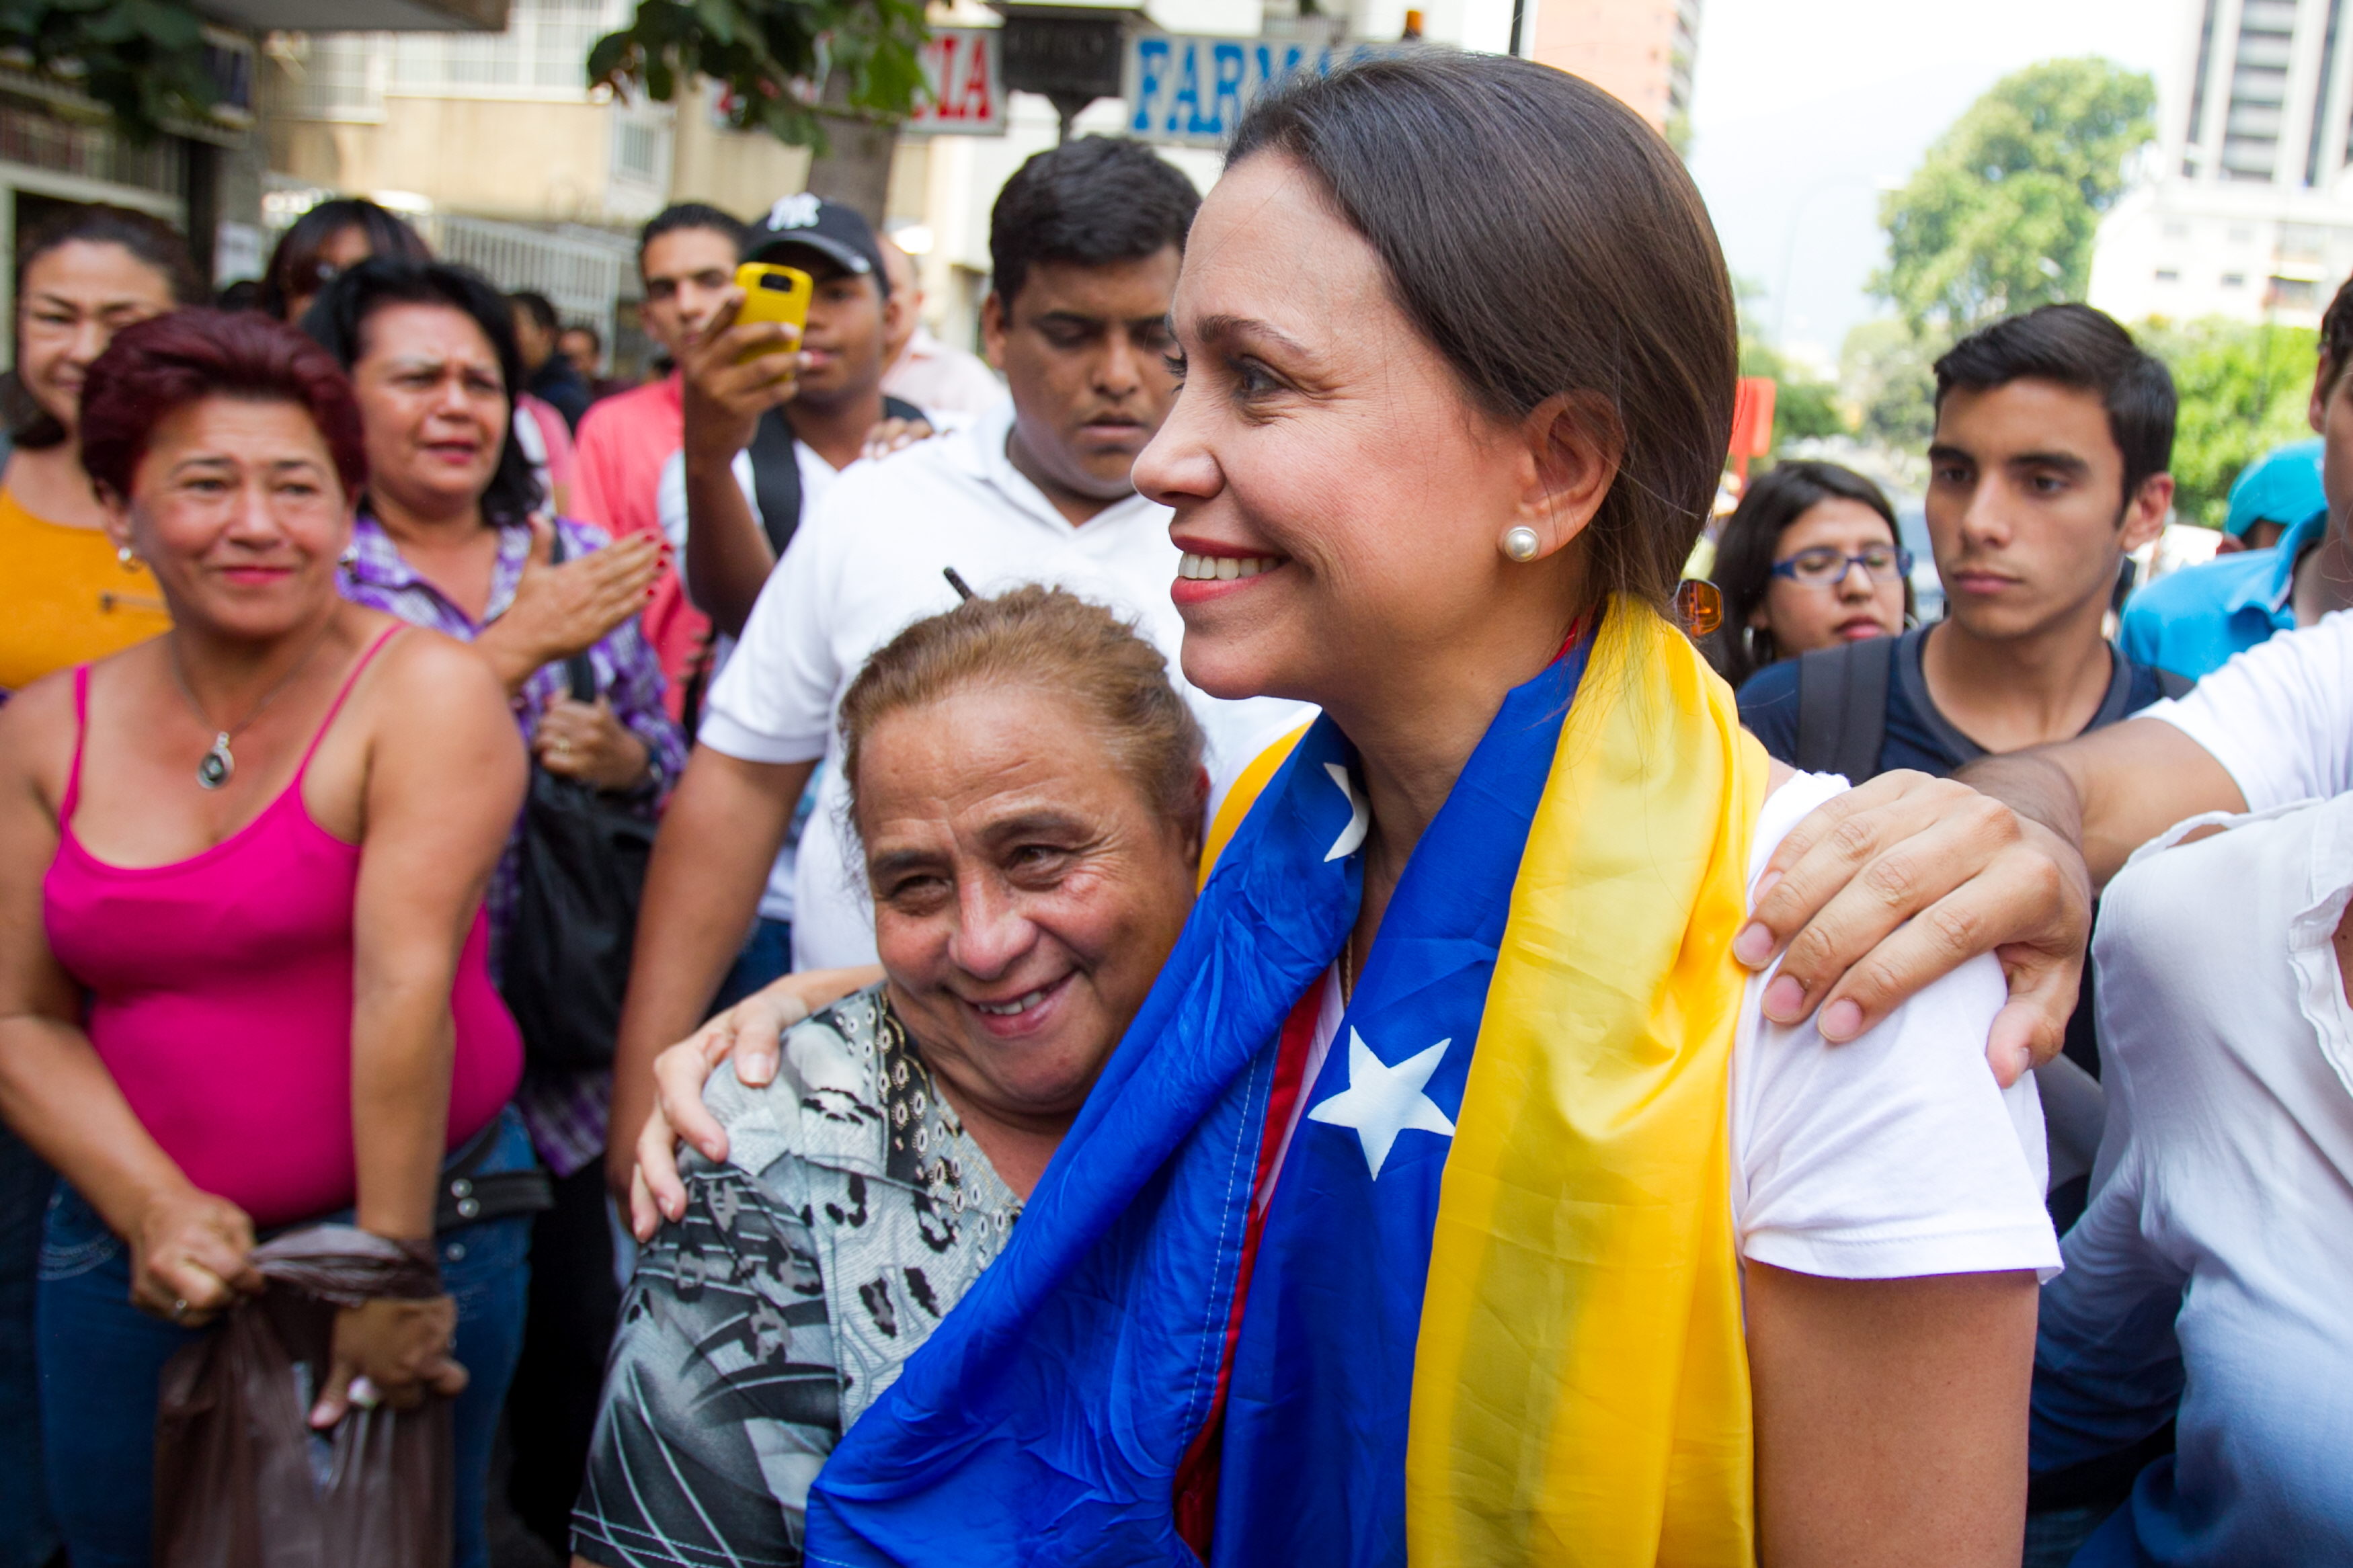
(776, 472)
(1843, 705)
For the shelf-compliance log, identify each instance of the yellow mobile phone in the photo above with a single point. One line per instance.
(771, 293)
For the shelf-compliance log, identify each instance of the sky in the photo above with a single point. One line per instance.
(1804, 111)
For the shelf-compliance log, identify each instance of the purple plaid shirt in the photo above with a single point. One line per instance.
(566, 1111)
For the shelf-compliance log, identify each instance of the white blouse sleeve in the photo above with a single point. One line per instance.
(1896, 1154)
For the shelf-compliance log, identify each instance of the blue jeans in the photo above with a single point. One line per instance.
(766, 957)
(102, 1358)
(28, 1539)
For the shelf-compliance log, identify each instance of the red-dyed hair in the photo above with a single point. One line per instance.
(167, 362)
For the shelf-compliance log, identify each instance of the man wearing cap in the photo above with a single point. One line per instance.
(2193, 620)
(767, 431)
(769, 421)
(1085, 242)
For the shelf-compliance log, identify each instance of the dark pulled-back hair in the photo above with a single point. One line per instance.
(1545, 240)
(293, 269)
(165, 363)
(1744, 553)
(1091, 203)
(339, 319)
(150, 241)
(680, 215)
(2077, 347)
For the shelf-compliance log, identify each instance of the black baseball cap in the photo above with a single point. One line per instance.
(839, 234)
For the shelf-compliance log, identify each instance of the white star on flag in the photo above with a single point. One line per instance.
(1360, 819)
(1382, 1101)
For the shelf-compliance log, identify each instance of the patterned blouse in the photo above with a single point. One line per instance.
(566, 1111)
(852, 1212)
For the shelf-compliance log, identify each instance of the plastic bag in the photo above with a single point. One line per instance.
(242, 1481)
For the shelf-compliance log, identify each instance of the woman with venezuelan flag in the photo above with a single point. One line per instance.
(1448, 1201)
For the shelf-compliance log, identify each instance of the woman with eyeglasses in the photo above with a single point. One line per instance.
(1811, 559)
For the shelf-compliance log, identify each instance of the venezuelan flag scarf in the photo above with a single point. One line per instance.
(1489, 1309)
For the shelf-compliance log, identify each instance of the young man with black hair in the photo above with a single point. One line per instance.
(2054, 431)
(686, 260)
(1085, 242)
(767, 431)
(2053, 434)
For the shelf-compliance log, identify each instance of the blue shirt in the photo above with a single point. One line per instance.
(1918, 736)
(2191, 621)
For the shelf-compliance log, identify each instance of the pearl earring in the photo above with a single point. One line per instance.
(124, 557)
(1521, 544)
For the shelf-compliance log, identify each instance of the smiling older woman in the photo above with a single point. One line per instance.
(1028, 787)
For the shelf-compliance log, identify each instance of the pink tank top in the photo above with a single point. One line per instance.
(219, 996)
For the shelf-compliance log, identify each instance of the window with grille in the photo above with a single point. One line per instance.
(338, 76)
(639, 151)
(544, 51)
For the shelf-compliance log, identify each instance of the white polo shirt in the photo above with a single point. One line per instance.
(869, 561)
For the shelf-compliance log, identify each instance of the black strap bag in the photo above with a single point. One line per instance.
(584, 857)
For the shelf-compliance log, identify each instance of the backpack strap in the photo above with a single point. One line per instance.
(900, 408)
(1843, 708)
(2172, 685)
(776, 479)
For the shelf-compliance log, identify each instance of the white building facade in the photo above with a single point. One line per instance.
(2247, 210)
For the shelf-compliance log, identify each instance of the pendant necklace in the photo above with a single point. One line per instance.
(219, 766)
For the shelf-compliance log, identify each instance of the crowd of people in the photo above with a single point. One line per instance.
(1231, 963)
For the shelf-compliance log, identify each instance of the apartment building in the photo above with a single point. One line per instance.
(2246, 206)
(1641, 50)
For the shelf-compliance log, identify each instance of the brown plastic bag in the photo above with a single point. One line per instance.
(242, 1481)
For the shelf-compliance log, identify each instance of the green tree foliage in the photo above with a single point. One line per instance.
(786, 64)
(2001, 214)
(2243, 390)
(1804, 406)
(144, 60)
(1888, 375)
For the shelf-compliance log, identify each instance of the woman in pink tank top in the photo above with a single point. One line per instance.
(242, 957)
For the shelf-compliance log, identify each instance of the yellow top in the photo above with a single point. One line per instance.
(64, 597)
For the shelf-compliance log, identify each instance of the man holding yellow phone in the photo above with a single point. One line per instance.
(782, 390)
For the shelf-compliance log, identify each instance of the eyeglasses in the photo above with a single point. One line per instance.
(1826, 566)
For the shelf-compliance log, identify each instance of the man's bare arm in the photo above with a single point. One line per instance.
(1901, 880)
(720, 834)
(2112, 790)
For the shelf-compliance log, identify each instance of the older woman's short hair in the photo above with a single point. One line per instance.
(154, 367)
(1046, 640)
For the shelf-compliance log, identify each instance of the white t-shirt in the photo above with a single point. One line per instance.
(817, 476)
(869, 561)
(1891, 1156)
(2279, 717)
